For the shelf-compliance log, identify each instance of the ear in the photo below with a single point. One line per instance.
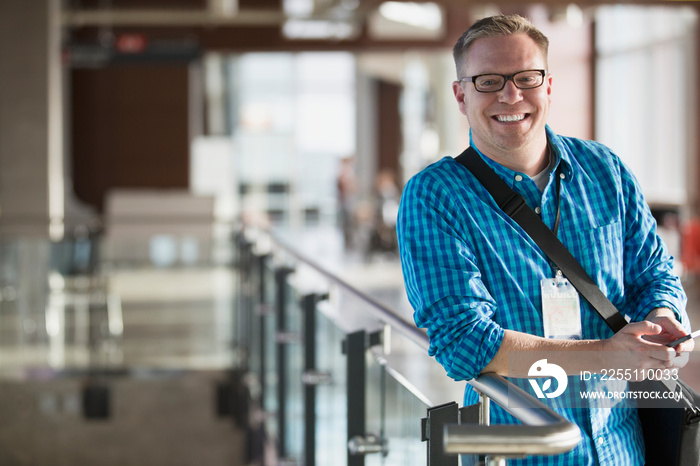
(548, 83)
(458, 91)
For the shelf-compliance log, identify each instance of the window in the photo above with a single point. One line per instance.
(645, 94)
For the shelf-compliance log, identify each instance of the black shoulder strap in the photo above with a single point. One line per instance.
(515, 207)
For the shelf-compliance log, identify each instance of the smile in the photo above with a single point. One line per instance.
(509, 118)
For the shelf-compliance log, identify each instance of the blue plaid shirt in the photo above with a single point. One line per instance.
(471, 272)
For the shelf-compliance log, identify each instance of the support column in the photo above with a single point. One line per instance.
(31, 130)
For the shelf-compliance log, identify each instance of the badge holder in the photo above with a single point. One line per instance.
(561, 308)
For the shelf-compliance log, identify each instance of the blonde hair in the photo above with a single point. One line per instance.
(497, 26)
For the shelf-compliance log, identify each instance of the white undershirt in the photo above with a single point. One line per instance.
(542, 178)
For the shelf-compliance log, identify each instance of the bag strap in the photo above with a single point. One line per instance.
(516, 208)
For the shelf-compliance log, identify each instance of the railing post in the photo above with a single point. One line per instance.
(281, 275)
(484, 410)
(360, 442)
(311, 376)
(357, 397)
(432, 432)
(244, 264)
(261, 309)
(308, 304)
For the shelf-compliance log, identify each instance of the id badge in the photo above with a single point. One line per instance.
(561, 309)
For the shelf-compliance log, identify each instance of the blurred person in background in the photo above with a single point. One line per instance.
(346, 186)
(386, 208)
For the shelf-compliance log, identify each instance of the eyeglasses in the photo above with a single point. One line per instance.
(528, 79)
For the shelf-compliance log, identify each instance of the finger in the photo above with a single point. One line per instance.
(680, 360)
(685, 347)
(661, 354)
(671, 325)
(643, 328)
(675, 331)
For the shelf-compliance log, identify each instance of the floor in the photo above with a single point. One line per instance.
(154, 420)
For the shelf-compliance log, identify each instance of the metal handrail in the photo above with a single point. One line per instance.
(528, 409)
(511, 440)
(386, 314)
(544, 431)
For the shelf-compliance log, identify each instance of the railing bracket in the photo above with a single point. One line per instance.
(368, 444)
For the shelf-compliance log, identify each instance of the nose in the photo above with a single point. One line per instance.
(510, 94)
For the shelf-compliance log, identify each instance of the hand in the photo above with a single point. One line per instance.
(641, 345)
(671, 331)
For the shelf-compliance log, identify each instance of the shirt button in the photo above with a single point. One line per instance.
(562, 176)
(538, 210)
(518, 178)
(601, 440)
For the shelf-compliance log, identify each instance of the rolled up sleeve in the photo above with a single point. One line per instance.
(443, 282)
(649, 278)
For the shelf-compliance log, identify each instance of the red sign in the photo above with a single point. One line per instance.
(131, 43)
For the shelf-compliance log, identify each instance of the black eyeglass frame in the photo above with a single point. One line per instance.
(506, 78)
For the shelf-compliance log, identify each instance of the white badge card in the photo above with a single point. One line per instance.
(561, 309)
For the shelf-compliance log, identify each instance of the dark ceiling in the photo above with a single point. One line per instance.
(257, 25)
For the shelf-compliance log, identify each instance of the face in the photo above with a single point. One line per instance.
(509, 125)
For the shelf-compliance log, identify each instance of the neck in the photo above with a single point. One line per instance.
(528, 155)
(530, 165)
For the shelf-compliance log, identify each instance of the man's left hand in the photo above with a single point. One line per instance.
(672, 330)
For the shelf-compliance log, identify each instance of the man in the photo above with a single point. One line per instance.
(474, 277)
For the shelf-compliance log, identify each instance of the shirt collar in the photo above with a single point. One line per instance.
(559, 152)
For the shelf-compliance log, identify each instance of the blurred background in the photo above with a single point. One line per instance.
(137, 137)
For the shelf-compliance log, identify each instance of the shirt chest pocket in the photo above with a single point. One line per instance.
(600, 252)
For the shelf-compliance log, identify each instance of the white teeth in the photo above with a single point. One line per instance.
(510, 117)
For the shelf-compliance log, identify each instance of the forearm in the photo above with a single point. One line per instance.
(519, 350)
(659, 312)
(639, 345)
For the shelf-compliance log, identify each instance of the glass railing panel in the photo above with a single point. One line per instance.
(292, 339)
(53, 306)
(401, 410)
(375, 414)
(392, 411)
(143, 245)
(269, 378)
(259, 280)
(64, 306)
(331, 397)
(245, 281)
(24, 271)
(253, 322)
(269, 323)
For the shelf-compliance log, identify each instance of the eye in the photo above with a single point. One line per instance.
(489, 81)
(528, 79)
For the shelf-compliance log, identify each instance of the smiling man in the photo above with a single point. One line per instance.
(476, 280)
